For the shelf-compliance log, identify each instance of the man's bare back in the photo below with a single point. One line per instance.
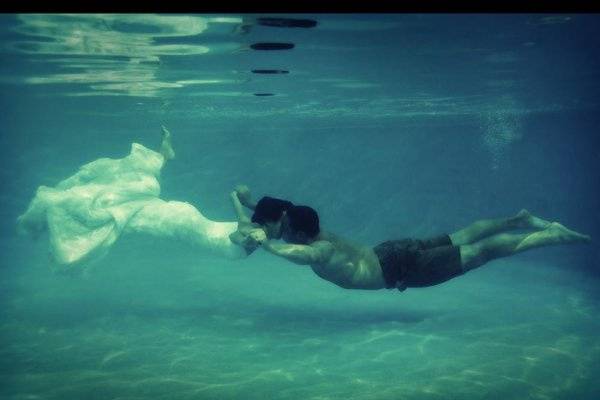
(346, 264)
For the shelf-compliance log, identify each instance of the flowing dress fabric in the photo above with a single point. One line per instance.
(86, 213)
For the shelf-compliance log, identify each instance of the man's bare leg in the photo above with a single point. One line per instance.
(488, 227)
(506, 244)
(166, 148)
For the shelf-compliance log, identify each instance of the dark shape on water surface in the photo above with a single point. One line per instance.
(270, 71)
(287, 22)
(264, 94)
(272, 46)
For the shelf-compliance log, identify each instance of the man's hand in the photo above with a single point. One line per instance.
(248, 237)
(258, 235)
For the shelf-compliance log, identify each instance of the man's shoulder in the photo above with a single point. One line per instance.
(329, 237)
(339, 241)
(322, 243)
(324, 246)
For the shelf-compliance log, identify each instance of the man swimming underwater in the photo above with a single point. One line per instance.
(396, 263)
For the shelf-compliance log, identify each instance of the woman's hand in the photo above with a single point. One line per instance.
(243, 193)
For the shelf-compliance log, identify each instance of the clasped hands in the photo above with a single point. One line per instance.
(253, 234)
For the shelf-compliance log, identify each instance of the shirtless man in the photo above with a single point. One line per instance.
(408, 262)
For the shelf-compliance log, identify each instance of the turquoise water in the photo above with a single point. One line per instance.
(391, 126)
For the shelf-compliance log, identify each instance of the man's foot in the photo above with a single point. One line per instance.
(555, 234)
(526, 220)
(567, 235)
(166, 149)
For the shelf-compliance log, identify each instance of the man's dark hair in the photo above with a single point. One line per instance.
(270, 209)
(304, 219)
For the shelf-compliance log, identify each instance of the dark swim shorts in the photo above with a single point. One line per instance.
(418, 263)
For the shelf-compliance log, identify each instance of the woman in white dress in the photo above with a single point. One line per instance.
(86, 213)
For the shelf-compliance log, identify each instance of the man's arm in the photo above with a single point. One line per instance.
(317, 253)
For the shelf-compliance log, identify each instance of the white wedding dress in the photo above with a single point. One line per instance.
(86, 213)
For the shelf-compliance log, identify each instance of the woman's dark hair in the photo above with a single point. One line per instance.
(304, 219)
(270, 209)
